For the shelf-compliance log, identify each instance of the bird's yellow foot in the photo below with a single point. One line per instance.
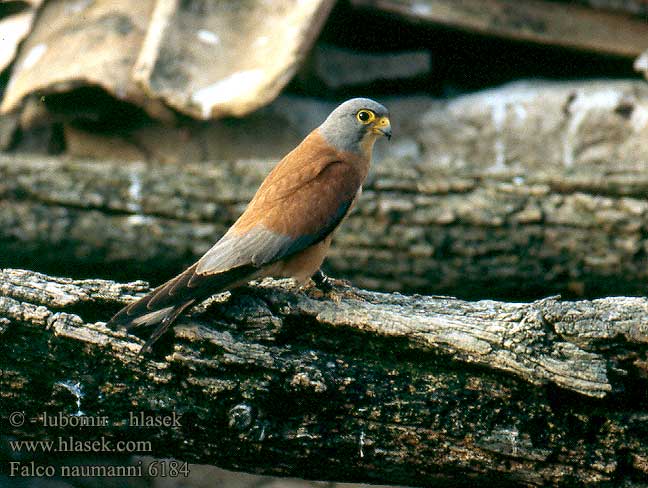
(330, 288)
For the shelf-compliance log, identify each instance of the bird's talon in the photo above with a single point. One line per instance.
(322, 282)
(334, 297)
(331, 288)
(340, 283)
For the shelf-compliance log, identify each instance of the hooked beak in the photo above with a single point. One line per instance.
(382, 126)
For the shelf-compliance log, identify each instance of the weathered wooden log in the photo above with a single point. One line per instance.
(555, 23)
(579, 232)
(144, 43)
(372, 387)
(524, 191)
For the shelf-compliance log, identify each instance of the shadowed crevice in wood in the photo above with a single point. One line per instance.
(384, 388)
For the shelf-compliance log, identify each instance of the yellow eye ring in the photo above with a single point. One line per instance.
(365, 116)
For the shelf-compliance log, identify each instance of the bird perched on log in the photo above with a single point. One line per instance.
(287, 227)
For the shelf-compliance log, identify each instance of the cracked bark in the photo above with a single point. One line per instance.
(381, 388)
(579, 232)
(527, 190)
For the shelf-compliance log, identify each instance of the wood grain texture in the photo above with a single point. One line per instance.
(545, 22)
(213, 60)
(523, 191)
(582, 231)
(377, 388)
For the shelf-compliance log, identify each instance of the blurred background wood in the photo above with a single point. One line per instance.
(523, 191)
(558, 23)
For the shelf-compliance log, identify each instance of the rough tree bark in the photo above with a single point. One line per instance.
(373, 387)
(523, 191)
(483, 195)
(581, 231)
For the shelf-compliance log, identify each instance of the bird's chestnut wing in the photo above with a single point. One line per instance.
(274, 229)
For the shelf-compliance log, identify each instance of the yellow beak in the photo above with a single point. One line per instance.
(382, 126)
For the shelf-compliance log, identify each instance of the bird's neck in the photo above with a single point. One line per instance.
(359, 157)
(367, 145)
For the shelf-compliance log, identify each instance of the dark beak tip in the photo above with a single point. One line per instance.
(386, 132)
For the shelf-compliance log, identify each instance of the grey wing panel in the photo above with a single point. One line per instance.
(256, 247)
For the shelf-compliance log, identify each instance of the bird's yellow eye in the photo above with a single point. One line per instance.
(365, 116)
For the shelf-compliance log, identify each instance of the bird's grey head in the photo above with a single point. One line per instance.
(356, 124)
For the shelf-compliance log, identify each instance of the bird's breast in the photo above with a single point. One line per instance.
(304, 264)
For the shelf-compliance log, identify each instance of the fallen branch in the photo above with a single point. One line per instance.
(482, 235)
(373, 387)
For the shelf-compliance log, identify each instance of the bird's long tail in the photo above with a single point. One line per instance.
(165, 303)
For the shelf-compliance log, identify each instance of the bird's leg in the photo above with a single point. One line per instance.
(326, 283)
(322, 282)
(331, 288)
